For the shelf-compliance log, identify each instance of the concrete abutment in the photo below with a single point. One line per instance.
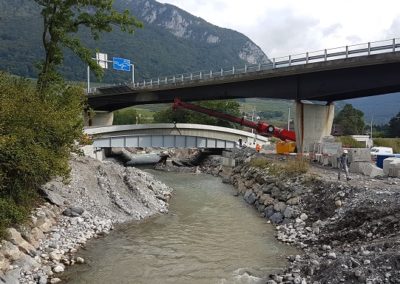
(98, 118)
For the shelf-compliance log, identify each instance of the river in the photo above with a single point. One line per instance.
(209, 236)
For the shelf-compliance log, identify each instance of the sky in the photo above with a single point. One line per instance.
(283, 27)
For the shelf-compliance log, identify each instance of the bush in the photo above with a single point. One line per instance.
(350, 142)
(37, 132)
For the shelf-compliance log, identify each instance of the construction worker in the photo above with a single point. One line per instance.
(343, 162)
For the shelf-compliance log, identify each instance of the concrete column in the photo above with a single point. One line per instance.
(312, 123)
(100, 118)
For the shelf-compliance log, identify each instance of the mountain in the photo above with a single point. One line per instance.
(172, 41)
(379, 109)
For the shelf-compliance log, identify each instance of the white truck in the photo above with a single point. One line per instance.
(375, 151)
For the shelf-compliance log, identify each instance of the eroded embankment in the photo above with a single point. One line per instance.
(349, 232)
(97, 196)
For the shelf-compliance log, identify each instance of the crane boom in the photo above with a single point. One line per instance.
(261, 127)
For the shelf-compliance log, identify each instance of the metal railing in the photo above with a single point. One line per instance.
(350, 51)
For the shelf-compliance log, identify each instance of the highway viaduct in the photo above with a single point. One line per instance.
(367, 71)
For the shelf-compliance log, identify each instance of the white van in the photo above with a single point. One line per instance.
(375, 151)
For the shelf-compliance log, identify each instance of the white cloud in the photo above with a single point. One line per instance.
(282, 27)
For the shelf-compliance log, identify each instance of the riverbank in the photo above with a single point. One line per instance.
(348, 231)
(97, 196)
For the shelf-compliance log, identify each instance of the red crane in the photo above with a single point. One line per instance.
(261, 127)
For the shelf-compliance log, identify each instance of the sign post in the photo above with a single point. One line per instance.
(120, 64)
(102, 60)
(123, 64)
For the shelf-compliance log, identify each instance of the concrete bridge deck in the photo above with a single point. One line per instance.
(324, 81)
(170, 135)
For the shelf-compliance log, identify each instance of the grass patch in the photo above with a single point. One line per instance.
(350, 142)
(290, 168)
(388, 142)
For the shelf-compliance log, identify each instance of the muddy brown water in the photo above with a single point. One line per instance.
(209, 236)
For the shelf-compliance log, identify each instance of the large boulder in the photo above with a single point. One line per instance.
(15, 237)
(276, 218)
(250, 197)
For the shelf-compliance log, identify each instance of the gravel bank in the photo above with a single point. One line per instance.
(97, 196)
(349, 231)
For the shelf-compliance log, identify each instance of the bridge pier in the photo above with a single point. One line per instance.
(312, 123)
(98, 118)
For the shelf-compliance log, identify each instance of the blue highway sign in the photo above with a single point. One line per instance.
(121, 64)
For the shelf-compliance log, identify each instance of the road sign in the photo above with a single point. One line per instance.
(102, 60)
(121, 64)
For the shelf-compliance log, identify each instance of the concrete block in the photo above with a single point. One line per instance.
(331, 148)
(326, 160)
(358, 167)
(359, 155)
(390, 163)
(228, 162)
(334, 161)
(227, 154)
(391, 167)
(372, 171)
(366, 168)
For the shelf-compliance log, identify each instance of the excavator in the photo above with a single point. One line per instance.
(287, 145)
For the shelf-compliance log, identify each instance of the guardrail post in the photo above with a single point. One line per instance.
(325, 55)
(245, 68)
(166, 80)
(211, 74)
(290, 60)
(191, 76)
(222, 72)
(173, 79)
(151, 82)
(306, 57)
(347, 51)
(369, 48)
(158, 81)
(273, 63)
(200, 75)
(144, 83)
(259, 66)
(233, 70)
(394, 45)
(182, 77)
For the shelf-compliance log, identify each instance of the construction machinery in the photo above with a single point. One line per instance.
(263, 128)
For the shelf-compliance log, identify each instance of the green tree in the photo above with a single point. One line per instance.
(186, 116)
(36, 139)
(125, 116)
(394, 126)
(351, 120)
(62, 20)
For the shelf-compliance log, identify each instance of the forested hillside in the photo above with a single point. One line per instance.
(172, 41)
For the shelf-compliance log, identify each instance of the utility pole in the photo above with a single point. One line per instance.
(371, 125)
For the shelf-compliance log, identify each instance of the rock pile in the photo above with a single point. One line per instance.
(349, 232)
(97, 196)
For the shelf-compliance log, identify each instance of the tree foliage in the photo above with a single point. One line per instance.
(394, 126)
(351, 120)
(125, 116)
(36, 138)
(62, 20)
(185, 116)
